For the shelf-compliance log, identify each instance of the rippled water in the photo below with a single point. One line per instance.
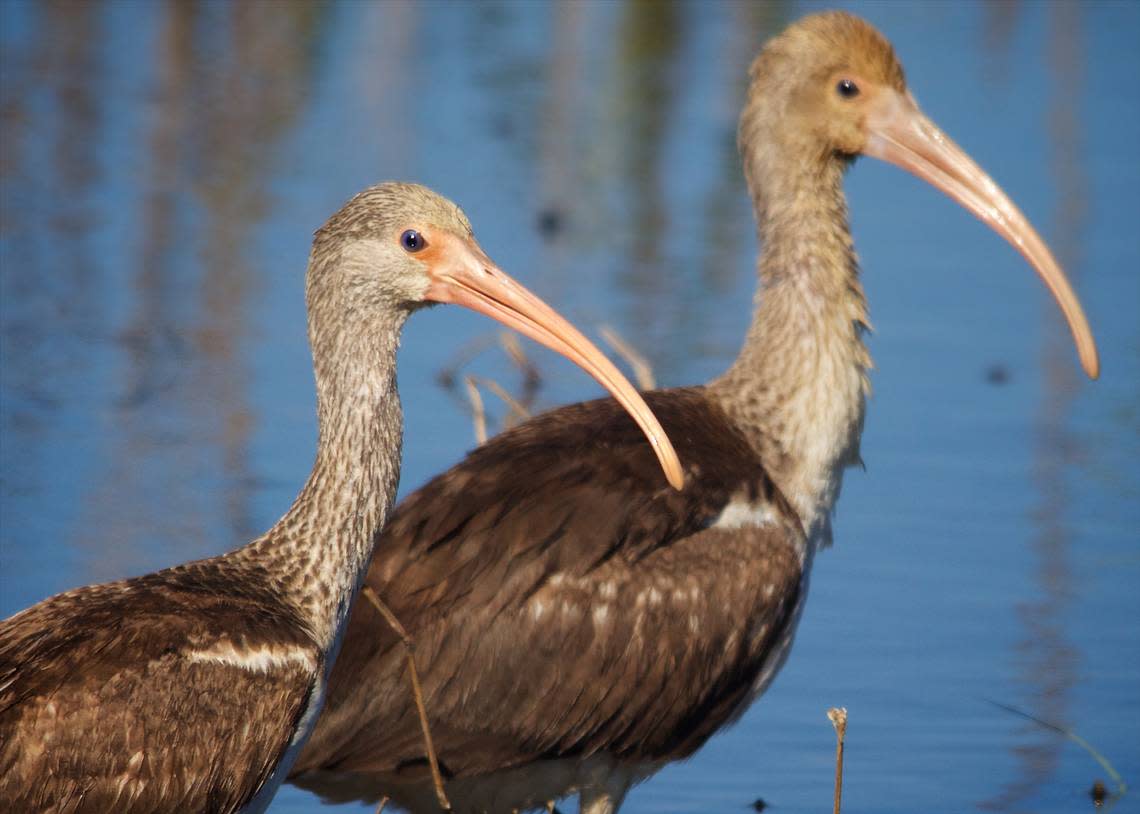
(163, 166)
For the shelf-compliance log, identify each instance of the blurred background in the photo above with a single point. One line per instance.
(164, 164)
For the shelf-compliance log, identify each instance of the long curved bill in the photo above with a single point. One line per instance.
(900, 134)
(461, 273)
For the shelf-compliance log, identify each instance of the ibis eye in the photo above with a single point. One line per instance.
(412, 241)
(847, 89)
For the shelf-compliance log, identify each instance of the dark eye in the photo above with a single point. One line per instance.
(412, 241)
(847, 89)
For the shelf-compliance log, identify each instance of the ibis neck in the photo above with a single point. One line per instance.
(318, 552)
(799, 385)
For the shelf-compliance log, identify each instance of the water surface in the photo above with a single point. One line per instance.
(162, 168)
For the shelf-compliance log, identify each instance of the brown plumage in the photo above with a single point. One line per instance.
(504, 583)
(193, 688)
(474, 541)
(105, 711)
(576, 625)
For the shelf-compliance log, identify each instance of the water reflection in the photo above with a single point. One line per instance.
(649, 39)
(224, 87)
(161, 168)
(153, 344)
(1047, 661)
(560, 117)
(52, 118)
(1001, 22)
(727, 224)
(230, 80)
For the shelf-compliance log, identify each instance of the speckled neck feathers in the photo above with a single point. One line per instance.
(798, 387)
(317, 552)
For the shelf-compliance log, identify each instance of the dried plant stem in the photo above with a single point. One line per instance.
(642, 370)
(518, 412)
(380, 806)
(838, 718)
(464, 356)
(478, 415)
(1121, 786)
(532, 377)
(417, 692)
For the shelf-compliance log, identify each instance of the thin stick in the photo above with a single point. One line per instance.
(380, 807)
(518, 412)
(514, 350)
(1121, 786)
(417, 693)
(838, 718)
(531, 377)
(642, 370)
(478, 415)
(465, 355)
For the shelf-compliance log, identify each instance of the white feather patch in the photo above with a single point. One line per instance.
(255, 659)
(738, 514)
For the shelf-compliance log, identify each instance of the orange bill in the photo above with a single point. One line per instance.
(903, 136)
(461, 273)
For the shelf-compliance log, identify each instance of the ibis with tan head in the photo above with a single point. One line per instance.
(194, 688)
(577, 623)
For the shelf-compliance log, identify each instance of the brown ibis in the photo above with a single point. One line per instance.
(577, 624)
(194, 688)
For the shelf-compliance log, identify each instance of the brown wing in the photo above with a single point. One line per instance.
(129, 697)
(557, 589)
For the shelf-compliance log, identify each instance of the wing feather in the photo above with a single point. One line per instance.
(152, 694)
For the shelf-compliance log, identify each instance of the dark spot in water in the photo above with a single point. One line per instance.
(997, 374)
(758, 804)
(503, 127)
(551, 221)
(1098, 793)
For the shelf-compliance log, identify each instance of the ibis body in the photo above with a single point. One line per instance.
(577, 624)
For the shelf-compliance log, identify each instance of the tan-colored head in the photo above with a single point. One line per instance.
(383, 244)
(818, 78)
(395, 247)
(830, 88)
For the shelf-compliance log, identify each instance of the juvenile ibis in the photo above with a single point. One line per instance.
(577, 624)
(192, 689)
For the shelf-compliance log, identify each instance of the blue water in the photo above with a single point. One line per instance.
(162, 168)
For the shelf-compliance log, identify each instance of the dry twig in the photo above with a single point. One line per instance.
(522, 407)
(478, 415)
(642, 370)
(460, 359)
(532, 377)
(1121, 786)
(518, 412)
(838, 718)
(417, 693)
